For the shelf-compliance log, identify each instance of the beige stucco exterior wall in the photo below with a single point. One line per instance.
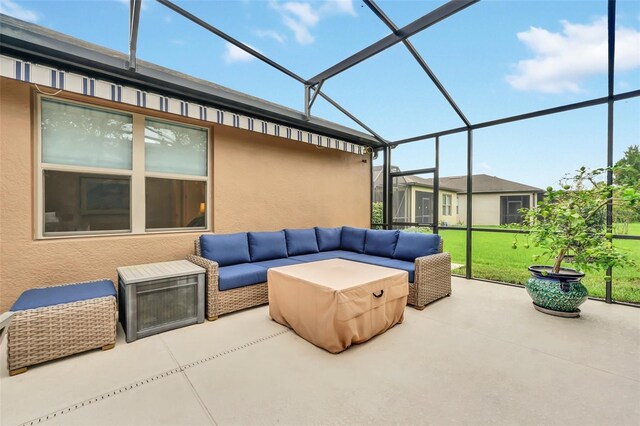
(259, 183)
(486, 208)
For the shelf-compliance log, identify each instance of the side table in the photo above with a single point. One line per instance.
(157, 297)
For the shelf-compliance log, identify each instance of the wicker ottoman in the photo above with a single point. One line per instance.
(53, 322)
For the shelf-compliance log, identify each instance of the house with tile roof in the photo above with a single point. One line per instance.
(496, 201)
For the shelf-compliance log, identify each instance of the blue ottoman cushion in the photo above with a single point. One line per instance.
(301, 241)
(50, 296)
(226, 249)
(267, 245)
(353, 239)
(328, 238)
(413, 245)
(380, 243)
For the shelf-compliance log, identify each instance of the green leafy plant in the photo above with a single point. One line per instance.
(571, 221)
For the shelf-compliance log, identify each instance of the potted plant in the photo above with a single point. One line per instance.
(570, 221)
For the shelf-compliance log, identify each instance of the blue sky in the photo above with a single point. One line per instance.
(496, 58)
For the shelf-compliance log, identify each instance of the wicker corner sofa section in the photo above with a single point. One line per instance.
(429, 268)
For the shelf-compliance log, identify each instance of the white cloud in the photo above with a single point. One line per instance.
(235, 54)
(177, 42)
(564, 59)
(271, 34)
(300, 31)
(486, 167)
(339, 6)
(302, 12)
(11, 8)
(300, 17)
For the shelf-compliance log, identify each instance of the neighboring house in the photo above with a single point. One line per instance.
(496, 201)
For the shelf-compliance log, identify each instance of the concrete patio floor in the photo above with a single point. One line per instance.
(482, 356)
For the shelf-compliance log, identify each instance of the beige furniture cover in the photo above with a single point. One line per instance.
(335, 303)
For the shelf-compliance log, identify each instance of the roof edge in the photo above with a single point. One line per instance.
(40, 44)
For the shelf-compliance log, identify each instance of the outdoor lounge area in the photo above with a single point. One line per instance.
(481, 356)
(320, 212)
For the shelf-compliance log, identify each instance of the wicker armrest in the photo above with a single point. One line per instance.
(211, 284)
(209, 265)
(432, 279)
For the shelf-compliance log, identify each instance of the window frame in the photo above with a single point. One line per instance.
(447, 206)
(137, 175)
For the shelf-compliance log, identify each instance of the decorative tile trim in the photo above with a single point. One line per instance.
(54, 78)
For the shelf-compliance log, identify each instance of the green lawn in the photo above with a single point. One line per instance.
(494, 259)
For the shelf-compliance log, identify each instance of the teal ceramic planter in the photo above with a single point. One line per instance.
(556, 294)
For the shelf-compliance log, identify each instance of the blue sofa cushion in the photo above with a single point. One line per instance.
(50, 296)
(324, 255)
(404, 265)
(380, 243)
(353, 239)
(328, 238)
(301, 241)
(226, 249)
(244, 274)
(267, 245)
(413, 245)
(363, 258)
(274, 263)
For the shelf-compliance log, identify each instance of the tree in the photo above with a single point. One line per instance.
(570, 220)
(627, 170)
(627, 173)
(376, 209)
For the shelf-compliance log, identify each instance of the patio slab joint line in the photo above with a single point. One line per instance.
(147, 380)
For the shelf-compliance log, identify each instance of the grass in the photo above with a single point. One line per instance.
(494, 259)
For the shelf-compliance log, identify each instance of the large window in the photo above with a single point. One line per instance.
(102, 171)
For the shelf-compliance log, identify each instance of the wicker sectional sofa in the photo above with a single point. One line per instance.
(237, 264)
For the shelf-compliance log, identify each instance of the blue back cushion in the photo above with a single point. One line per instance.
(267, 245)
(413, 245)
(380, 243)
(301, 241)
(353, 239)
(226, 249)
(328, 238)
(50, 296)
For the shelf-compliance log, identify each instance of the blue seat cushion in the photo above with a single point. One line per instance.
(274, 263)
(413, 245)
(363, 258)
(353, 239)
(380, 243)
(323, 255)
(301, 241)
(50, 296)
(404, 265)
(328, 238)
(226, 249)
(244, 274)
(267, 245)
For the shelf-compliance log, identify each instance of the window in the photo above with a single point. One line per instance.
(510, 208)
(176, 175)
(103, 171)
(446, 204)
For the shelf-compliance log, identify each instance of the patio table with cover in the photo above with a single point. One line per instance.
(336, 303)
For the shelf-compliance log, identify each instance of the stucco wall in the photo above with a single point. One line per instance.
(259, 183)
